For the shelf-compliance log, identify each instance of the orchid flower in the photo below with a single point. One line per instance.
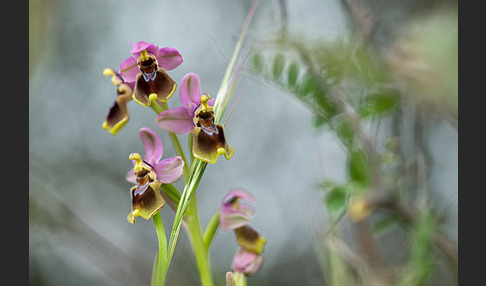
(148, 174)
(234, 214)
(208, 139)
(247, 262)
(147, 69)
(117, 116)
(249, 259)
(180, 119)
(196, 115)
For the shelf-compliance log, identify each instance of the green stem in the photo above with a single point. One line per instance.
(240, 279)
(210, 231)
(160, 266)
(195, 175)
(191, 217)
(199, 248)
(157, 107)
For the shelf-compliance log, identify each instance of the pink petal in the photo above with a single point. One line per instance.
(169, 58)
(130, 177)
(175, 120)
(231, 219)
(237, 193)
(129, 69)
(247, 262)
(152, 143)
(141, 45)
(211, 101)
(190, 90)
(169, 170)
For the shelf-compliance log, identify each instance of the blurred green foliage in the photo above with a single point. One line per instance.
(350, 85)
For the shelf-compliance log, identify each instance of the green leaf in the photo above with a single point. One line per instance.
(325, 104)
(308, 85)
(367, 67)
(378, 104)
(195, 175)
(385, 225)
(327, 185)
(343, 130)
(293, 73)
(256, 62)
(319, 121)
(336, 199)
(359, 168)
(278, 65)
(171, 191)
(421, 258)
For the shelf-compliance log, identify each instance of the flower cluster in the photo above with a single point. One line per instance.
(236, 216)
(143, 77)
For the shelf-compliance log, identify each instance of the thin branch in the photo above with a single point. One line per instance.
(364, 23)
(409, 215)
(443, 243)
(284, 19)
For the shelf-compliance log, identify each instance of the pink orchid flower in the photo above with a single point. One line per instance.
(180, 119)
(147, 68)
(148, 174)
(234, 214)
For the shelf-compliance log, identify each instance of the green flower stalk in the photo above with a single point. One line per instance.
(197, 168)
(191, 219)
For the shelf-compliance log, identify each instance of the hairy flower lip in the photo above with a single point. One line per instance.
(158, 83)
(248, 238)
(209, 143)
(118, 115)
(208, 139)
(146, 200)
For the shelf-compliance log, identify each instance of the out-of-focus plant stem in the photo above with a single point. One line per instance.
(410, 216)
(367, 242)
(443, 243)
(210, 231)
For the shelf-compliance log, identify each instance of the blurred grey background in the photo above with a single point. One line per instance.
(78, 198)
